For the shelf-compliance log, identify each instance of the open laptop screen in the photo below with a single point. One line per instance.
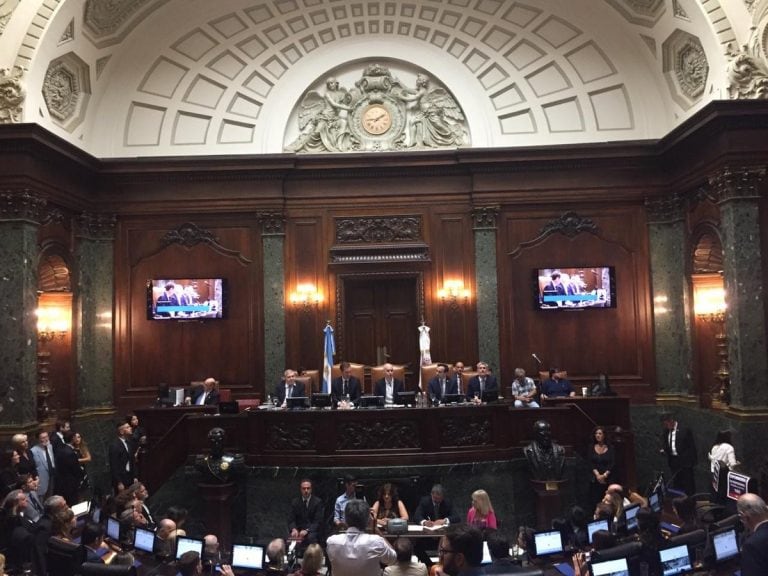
(113, 529)
(184, 544)
(144, 540)
(675, 560)
(247, 557)
(655, 502)
(726, 545)
(630, 514)
(81, 508)
(596, 525)
(550, 542)
(618, 567)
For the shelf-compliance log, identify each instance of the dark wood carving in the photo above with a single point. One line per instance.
(189, 235)
(284, 436)
(386, 229)
(466, 432)
(378, 434)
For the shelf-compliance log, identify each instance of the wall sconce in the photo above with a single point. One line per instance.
(51, 322)
(306, 296)
(453, 292)
(709, 305)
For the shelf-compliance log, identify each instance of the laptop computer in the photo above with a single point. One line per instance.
(618, 567)
(297, 402)
(405, 398)
(81, 509)
(547, 542)
(321, 400)
(144, 540)
(231, 407)
(247, 557)
(596, 525)
(675, 560)
(454, 398)
(490, 396)
(725, 544)
(113, 530)
(371, 401)
(184, 544)
(630, 517)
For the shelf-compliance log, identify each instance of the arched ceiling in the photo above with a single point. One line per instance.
(181, 77)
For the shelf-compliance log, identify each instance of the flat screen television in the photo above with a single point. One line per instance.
(577, 288)
(187, 299)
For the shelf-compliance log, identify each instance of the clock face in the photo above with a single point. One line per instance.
(376, 119)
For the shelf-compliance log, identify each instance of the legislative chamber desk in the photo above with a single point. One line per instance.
(376, 437)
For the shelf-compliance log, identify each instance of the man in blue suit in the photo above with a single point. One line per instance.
(483, 382)
(345, 385)
(42, 453)
(288, 387)
(389, 386)
(441, 385)
(754, 553)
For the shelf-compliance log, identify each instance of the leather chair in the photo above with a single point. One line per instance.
(63, 557)
(377, 373)
(696, 540)
(97, 569)
(545, 375)
(225, 395)
(626, 550)
(357, 370)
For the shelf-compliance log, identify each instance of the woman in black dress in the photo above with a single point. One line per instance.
(601, 461)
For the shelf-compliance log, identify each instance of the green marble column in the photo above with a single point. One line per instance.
(670, 288)
(273, 240)
(21, 213)
(94, 253)
(736, 190)
(485, 225)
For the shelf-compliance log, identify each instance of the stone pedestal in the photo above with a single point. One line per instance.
(218, 510)
(549, 503)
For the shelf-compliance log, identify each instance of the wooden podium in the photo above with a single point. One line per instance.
(549, 502)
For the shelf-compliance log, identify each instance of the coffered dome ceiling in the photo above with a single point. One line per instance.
(181, 77)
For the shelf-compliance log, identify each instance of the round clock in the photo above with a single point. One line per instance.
(376, 119)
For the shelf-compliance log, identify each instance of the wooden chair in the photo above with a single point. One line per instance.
(377, 373)
(358, 371)
(545, 375)
(225, 395)
(430, 371)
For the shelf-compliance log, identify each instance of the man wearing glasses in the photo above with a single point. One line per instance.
(461, 551)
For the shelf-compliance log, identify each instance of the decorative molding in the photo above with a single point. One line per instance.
(379, 255)
(378, 230)
(740, 183)
(665, 209)
(679, 11)
(685, 67)
(747, 76)
(289, 437)
(22, 206)
(96, 226)
(69, 33)
(190, 235)
(94, 412)
(570, 224)
(485, 217)
(66, 90)
(12, 95)
(642, 12)
(466, 432)
(105, 17)
(379, 434)
(6, 11)
(272, 223)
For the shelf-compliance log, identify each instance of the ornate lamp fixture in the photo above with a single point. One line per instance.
(306, 296)
(453, 293)
(709, 306)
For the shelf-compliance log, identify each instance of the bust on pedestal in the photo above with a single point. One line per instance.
(546, 461)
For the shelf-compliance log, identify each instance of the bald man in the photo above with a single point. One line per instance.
(754, 553)
(208, 395)
(389, 386)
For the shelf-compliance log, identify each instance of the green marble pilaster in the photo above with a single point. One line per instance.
(20, 217)
(737, 194)
(671, 307)
(485, 225)
(273, 241)
(94, 253)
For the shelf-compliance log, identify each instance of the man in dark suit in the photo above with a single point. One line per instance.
(289, 388)
(122, 465)
(91, 540)
(306, 518)
(457, 378)
(69, 473)
(57, 438)
(433, 511)
(344, 385)
(483, 382)
(389, 386)
(678, 444)
(207, 395)
(754, 552)
(441, 385)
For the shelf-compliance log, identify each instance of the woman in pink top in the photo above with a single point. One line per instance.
(481, 513)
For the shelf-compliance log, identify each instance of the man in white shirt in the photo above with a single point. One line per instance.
(355, 553)
(389, 386)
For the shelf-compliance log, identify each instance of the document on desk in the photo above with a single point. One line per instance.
(433, 528)
(415, 528)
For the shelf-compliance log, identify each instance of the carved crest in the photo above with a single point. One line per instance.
(569, 224)
(11, 95)
(378, 230)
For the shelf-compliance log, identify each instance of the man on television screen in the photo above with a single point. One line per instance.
(345, 385)
(167, 298)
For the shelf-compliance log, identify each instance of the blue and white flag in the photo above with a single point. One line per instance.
(329, 349)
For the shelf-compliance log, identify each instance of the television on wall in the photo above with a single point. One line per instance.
(187, 299)
(576, 288)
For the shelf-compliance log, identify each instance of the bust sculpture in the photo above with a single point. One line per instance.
(217, 467)
(546, 459)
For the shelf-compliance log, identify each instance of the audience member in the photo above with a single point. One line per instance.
(616, 502)
(480, 513)
(649, 535)
(501, 561)
(722, 451)
(121, 459)
(52, 507)
(83, 458)
(356, 553)
(42, 452)
(276, 557)
(461, 551)
(9, 475)
(69, 473)
(311, 562)
(350, 486)
(123, 559)
(524, 390)
(389, 386)
(305, 518)
(63, 524)
(26, 465)
(13, 529)
(211, 552)
(577, 519)
(189, 564)
(405, 565)
(524, 544)
(601, 457)
(166, 538)
(556, 386)
(139, 440)
(685, 508)
(604, 511)
(34, 508)
(482, 383)
(388, 505)
(678, 444)
(92, 539)
(754, 552)
(179, 516)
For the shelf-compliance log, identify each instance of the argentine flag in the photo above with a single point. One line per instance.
(329, 349)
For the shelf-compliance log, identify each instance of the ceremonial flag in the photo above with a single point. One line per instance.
(424, 344)
(329, 349)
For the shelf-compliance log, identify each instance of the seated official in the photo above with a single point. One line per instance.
(405, 566)
(441, 385)
(388, 506)
(524, 390)
(92, 540)
(556, 386)
(305, 518)
(207, 395)
(483, 382)
(434, 510)
(289, 387)
(345, 386)
(350, 488)
(481, 514)
(389, 386)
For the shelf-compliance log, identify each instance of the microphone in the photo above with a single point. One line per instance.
(537, 359)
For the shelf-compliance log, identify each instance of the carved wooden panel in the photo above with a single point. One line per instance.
(284, 436)
(379, 434)
(474, 431)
